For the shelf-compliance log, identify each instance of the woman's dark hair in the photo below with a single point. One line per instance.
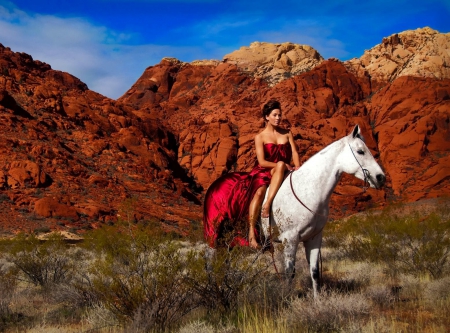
(269, 106)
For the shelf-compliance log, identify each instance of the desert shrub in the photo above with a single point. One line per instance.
(42, 263)
(140, 278)
(8, 285)
(360, 274)
(409, 244)
(380, 294)
(329, 313)
(231, 275)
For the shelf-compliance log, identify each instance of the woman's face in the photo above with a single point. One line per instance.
(274, 118)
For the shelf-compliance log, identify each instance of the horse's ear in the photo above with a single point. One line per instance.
(356, 133)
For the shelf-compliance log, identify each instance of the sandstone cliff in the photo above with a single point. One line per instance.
(71, 158)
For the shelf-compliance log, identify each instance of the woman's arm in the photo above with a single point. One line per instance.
(259, 146)
(295, 156)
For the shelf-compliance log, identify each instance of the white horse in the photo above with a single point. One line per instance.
(301, 205)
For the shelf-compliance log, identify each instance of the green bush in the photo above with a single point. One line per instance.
(139, 277)
(151, 282)
(411, 244)
(231, 275)
(42, 263)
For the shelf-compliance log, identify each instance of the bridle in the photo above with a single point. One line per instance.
(366, 172)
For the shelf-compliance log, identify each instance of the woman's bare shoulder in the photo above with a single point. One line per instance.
(261, 134)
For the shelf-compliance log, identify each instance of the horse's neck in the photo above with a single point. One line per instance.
(321, 173)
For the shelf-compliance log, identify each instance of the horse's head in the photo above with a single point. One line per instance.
(360, 162)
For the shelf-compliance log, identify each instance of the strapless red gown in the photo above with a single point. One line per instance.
(228, 198)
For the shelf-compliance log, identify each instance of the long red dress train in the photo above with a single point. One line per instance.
(228, 198)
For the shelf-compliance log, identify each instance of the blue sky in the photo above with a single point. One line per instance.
(108, 43)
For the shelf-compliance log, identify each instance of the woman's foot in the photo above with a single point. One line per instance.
(253, 243)
(252, 239)
(265, 211)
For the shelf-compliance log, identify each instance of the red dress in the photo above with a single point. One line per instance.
(228, 198)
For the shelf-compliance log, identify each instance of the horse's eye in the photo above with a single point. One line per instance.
(361, 152)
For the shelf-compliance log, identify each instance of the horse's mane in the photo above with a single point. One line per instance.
(322, 152)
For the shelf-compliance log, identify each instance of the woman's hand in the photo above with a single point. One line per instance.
(289, 167)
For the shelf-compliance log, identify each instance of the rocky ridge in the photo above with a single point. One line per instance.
(70, 158)
(182, 125)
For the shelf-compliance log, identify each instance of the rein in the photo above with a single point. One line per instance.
(366, 185)
(298, 199)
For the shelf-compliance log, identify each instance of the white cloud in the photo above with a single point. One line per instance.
(96, 55)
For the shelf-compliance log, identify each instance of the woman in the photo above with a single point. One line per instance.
(234, 195)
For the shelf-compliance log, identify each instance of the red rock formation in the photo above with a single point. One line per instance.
(70, 157)
(411, 117)
(320, 106)
(64, 148)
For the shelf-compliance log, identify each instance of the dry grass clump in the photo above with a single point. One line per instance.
(413, 244)
(380, 294)
(8, 285)
(437, 290)
(330, 312)
(374, 325)
(436, 296)
(362, 273)
(98, 317)
(347, 276)
(199, 326)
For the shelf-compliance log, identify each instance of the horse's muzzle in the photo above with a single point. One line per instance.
(381, 179)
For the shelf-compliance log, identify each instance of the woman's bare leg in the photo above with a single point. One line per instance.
(254, 209)
(275, 183)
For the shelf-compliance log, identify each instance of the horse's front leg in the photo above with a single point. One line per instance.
(312, 249)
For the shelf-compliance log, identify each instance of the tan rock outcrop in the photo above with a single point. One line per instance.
(422, 53)
(274, 62)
